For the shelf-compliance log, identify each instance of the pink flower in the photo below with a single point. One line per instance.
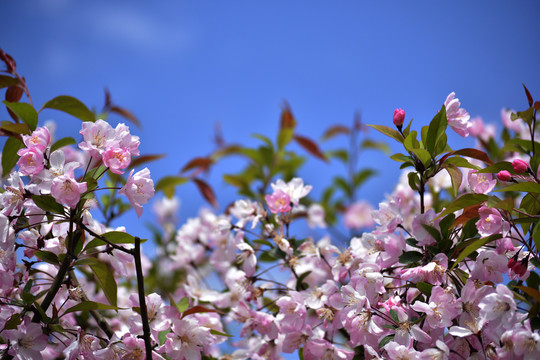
(96, 137)
(489, 266)
(458, 118)
(139, 189)
(358, 215)
(441, 310)
(399, 117)
(27, 341)
(418, 230)
(39, 139)
(481, 183)
(31, 161)
(520, 166)
(294, 188)
(116, 159)
(491, 221)
(66, 190)
(278, 202)
(126, 140)
(504, 175)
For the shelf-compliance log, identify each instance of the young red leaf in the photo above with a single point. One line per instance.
(206, 191)
(198, 162)
(310, 146)
(529, 97)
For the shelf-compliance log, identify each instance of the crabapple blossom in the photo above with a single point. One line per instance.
(27, 341)
(481, 183)
(31, 161)
(139, 188)
(490, 222)
(399, 117)
(295, 189)
(97, 135)
(358, 215)
(278, 202)
(457, 117)
(520, 166)
(116, 159)
(39, 139)
(420, 233)
(66, 190)
(442, 308)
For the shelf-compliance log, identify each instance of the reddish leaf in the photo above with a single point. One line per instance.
(310, 146)
(206, 191)
(198, 162)
(335, 130)
(537, 105)
(8, 60)
(144, 159)
(287, 118)
(529, 97)
(126, 114)
(475, 154)
(198, 309)
(469, 213)
(108, 102)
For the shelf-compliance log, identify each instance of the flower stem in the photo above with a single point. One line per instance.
(142, 300)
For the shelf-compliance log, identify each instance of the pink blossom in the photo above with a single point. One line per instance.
(490, 222)
(504, 175)
(96, 135)
(294, 188)
(520, 166)
(31, 161)
(292, 312)
(66, 190)
(358, 215)
(39, 139)
(116, 159)
(126, 140)
(458, 118)
(420, 233)
(481, 183)
(186, 340)
(399, 117)
(139, 189)
(27, 341)
(278, 202)
(498, 306)
(441, 309)
(489, 266)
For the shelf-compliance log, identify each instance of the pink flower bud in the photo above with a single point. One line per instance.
(504, 175)
(399, 117)
(520, 166)
(512, 262)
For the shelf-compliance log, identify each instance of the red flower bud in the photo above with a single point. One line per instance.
(399, 117)
(512, 262)
(520, 166)
(504, 175)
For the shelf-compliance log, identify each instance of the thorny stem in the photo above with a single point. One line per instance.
(142, 299)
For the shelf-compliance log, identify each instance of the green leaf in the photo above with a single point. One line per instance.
(284, 137)
(301, 353)
(115, 237)
(183, 304)
(531, 187)
(410, 257)
(456, 176)
(162, 336)
(377, 145)
(167, 184)
(495, 168)
(475, 245)
(400, 157)
(460, 162)
(6, 81)
(363, 175)
(394, 315)
(90, 305)
(394, 134)
(215, 332)
(386, 340)
(423, 155)
(72, 106)
(105, 278)
(47, 256)
(462, 202)
(25, 112)
(17, 128)
(62, 142)
(411, 142)
(9, 154)
(437, 127)
(424, 287)
(48, 203)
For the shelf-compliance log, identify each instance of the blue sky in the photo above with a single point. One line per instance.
(183, 66)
